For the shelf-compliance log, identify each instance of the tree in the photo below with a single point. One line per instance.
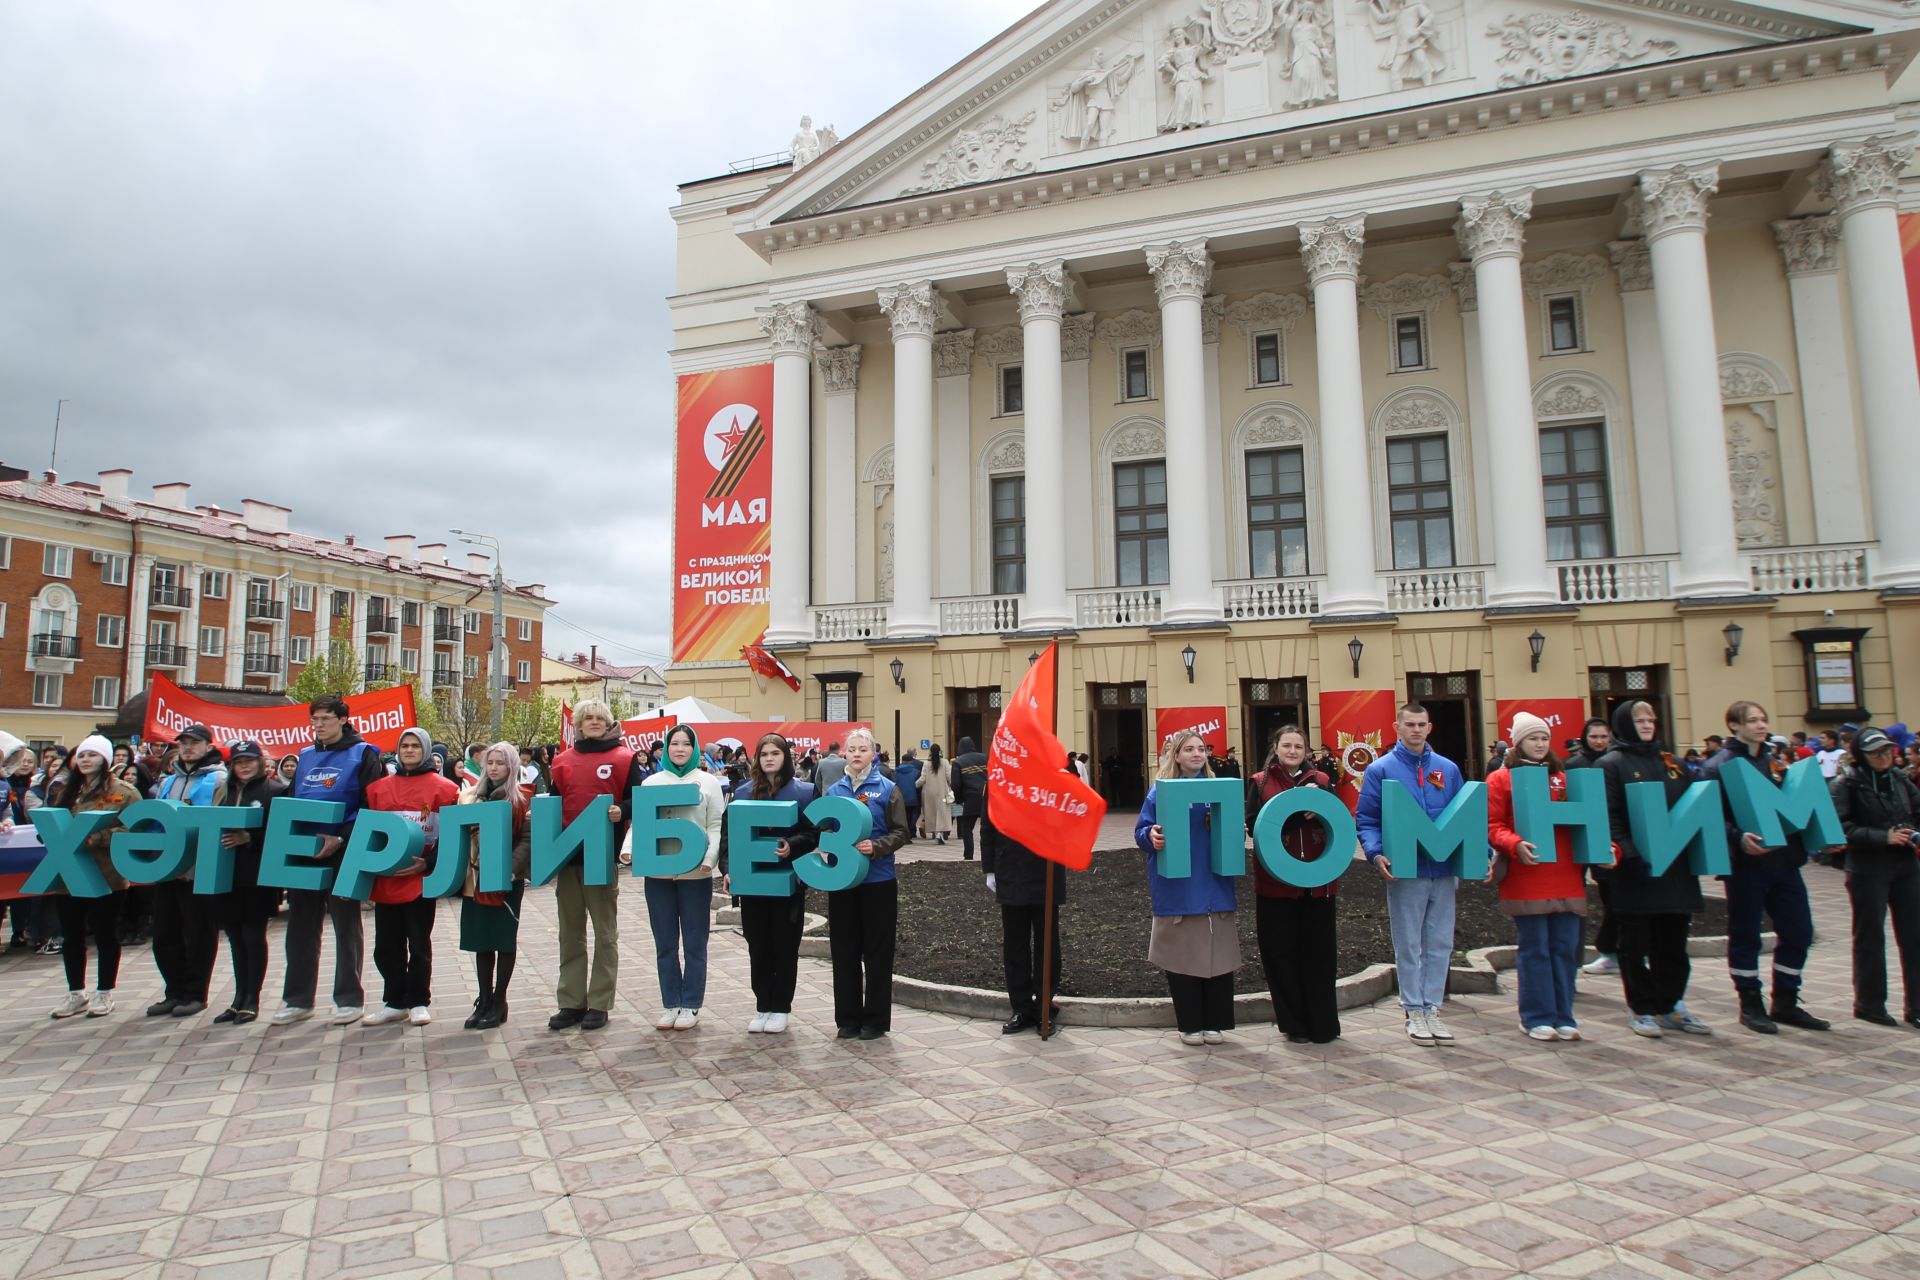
(457, 719)
(338, 670)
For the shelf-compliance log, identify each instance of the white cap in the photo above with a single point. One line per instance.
(96, 743)
(1525, 723)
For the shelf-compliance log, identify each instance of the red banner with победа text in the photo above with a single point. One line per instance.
(379, 717)
(722, 495)
(1209, 722)
(1358, 725)
(1565, 718)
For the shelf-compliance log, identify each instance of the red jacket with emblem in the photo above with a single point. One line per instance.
(424, 793)
(1544, 887)
(593, 767)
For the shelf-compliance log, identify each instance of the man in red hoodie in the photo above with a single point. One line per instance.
(402, 917)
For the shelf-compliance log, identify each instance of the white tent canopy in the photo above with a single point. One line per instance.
(699, 711)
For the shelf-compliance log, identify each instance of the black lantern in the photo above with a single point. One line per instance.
(1187, 655)
(1733, 631)
(1354, 650)
(896, 668)
(1538, 644)
(1033, 657)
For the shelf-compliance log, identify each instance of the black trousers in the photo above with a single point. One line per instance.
(772, 928)
(186, 939)
(1022, 931)
(1654, 967)
(1606, 940)
(967, 822)
(1876, 883)
(102, 915)
(1299, 953)
(403, 951)
(1201, 1004)
(243, 916)
(861, 924)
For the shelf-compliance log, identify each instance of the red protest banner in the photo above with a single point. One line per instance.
(1209, 722)
(1035, 802)
(1564, 717)
(640, 734)
(379, 716)
(723, 488)
(1358, 725)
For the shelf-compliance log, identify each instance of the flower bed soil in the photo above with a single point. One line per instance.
(950, 927)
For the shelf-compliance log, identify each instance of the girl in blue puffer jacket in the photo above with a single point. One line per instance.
(1195, 941)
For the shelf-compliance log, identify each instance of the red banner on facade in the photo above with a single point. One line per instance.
(1910, 257)
(1564, 717)
(1210, 722)
(804, 735)
(1358, 725)
(379, 716)
(723, 492)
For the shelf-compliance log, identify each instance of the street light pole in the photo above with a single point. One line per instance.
(497, 683)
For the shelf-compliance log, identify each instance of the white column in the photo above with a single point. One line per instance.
(1863, 179)
(237, 630)
(1076, 372)
(790, 328)
(136, 636)
(1180, 274)
(1810, 248)
(910, 307)
(1674, 213)
(1331, 251)
(1490, 230)
(837, 474)
(1041, 288)
(953, 459)
(1212, 311)
(1477, 441)
(1647, 403)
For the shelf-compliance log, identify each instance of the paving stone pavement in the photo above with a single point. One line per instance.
(145, 1147)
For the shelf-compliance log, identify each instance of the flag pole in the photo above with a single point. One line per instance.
(1046, 911)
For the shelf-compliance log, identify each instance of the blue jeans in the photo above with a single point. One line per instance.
(1421, 914)
(1779, 892)
(680, 913)
(1549, 955)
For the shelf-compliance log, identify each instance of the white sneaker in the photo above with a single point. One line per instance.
(1193, 1037)
(1417, 1030)
(288, 1014)
(758, 1024)
(776, 1024)
(101, 1005)
(347, 1014)
(1568, 1033)
(666, 1020)
(684, 1019)
(419, 1015)
(384, 1014)
(1603, 964)
(1214, 1037)
(76, 1002)
(1542, 1033)
(1438, 1029)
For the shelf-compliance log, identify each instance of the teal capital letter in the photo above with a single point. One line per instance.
(492, 820)
(687, 837)
(844, 822)
(1226, 806)
(1458, 839)
(285, 841)
(381, 844)
(67, 862)
(590, 836)
(754, 869)
(153, 846)
(1695, 826)
(1319, 805)
(212, 860)
(1536, 814)
(1800, 803)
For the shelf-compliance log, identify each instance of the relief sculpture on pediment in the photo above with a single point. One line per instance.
(984, 151)
(1089, 106)
(1538, 47)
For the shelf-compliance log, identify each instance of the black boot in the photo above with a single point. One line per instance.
(1786, 1009)
(479, 1010)
(1753, 1014)
(495, 1014)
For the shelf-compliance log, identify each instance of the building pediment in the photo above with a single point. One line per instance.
(1085, 82)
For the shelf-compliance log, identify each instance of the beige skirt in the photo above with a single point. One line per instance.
(1199, 946)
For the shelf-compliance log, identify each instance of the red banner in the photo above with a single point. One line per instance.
(1211, 722)
(640, 733)
(1358, 725)
(1564, 717)
(805, 735)
(1910, 257)
(723, 489)
(1036, 802)
(379, 716)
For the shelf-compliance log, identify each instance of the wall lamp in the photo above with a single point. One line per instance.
(1538, 644)
(1187, 655)
(895, 669)
(1354, 650)
(1734, 633)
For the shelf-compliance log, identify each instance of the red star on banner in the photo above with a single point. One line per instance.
(731, 438)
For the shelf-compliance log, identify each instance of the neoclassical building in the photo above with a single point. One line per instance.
(1260, 350)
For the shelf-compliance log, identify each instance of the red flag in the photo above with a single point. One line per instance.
(1051, 812)
(765, 664)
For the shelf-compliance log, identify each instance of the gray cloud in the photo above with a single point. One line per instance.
(399, 267)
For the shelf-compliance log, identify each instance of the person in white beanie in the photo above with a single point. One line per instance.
(89, 784)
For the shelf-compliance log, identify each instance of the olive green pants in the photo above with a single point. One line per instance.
(577, 903)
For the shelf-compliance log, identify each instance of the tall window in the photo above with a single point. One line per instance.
(113, 570)
(526, 628)
(299, 648)
(410, 613)
(1013, 389)
(343, 604)
(47, 690)
(213, 584)
(110, 630)
(1269, 370)
(1573, 464)
(106, 692)
(1277, 513)
(1563, 323)
(1140, 523)
(1135, 382)
(1421, 503)
(1009, 535)
(213, 642)
(56, 561)
(301, 597)
(1409, 342)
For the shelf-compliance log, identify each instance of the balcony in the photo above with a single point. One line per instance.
(380, 672)
(849, 622)
(1797, 571)
(1117, 607)
(261, 664)
(1618, 581)
(383, 624)
(1436, 590)
(53, 644)
(1263, 599)
(167, 595)
(448, 633)
(446, 678)
(979, 615)
(167, 655)
(262, 610)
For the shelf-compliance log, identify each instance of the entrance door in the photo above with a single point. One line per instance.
(1121, 753)
(1266, 707)
(972, 713)
(1612, 686)
(1453, 701)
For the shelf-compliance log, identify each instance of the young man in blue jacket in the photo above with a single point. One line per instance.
(186, 933)
(1419, 909)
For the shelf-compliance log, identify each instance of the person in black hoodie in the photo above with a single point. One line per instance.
(243, 911)
(969, 792)
(1765, 883)
(1654, 911)
(1879, 809)
(1017, 878)
(1595, 738)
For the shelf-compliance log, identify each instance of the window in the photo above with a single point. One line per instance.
(1563, 324)
(343, 604)
(1269, 370)
(471, 666)
(1409, 342)
(526, 628)
(410, 660)
(1135, 384)
(113, 570)
(47, 690)
(110, 631)
(56, 561)
(106, 692)
(410, 613)
(1140, 523)
(300, 596)
(1277, 513)
(1013, 390)
(522, 672)
(213, 584)
(300, 648)
(1573, 464)
(3, 618)
(473, 622)
(1009, 497)
(1421, 502)
(213, 642)
(160, 635)
(6, 552)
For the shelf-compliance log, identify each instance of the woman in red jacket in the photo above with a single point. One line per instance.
(402, 918)
(1547, 900)
(1295, 926)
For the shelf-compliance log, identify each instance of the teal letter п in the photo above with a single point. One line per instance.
(1226, 806)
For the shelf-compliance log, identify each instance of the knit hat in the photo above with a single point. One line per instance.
(1524, 723)
(97, 744)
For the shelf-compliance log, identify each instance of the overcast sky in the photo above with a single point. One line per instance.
(400, 267)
